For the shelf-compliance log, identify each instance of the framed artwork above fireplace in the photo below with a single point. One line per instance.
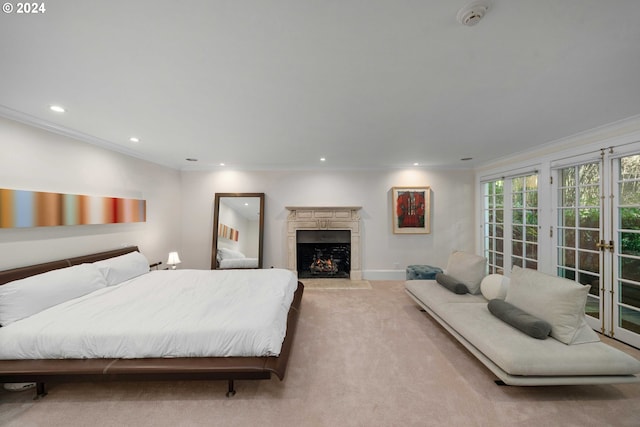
(411, 210)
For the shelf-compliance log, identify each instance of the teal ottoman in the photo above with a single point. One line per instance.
(422, 272)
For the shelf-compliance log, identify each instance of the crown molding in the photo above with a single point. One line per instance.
(48, 126)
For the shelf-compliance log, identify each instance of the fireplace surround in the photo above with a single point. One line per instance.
(325, 218)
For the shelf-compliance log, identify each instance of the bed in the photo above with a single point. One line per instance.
(177, 347)
(229, 258)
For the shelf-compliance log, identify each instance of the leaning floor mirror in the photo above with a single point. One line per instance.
(238, 228)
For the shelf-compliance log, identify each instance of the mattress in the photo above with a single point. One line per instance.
(169, 313)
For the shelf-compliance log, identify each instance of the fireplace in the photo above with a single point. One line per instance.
(323, 253)
(334, 242)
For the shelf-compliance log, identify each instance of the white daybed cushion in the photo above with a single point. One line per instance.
(518, 354)
(25, 297)
(468, 268)
(433, 294)
(494, 286)
(556, 300)
(122, 268)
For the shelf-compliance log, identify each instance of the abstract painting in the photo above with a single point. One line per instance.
(411, 210)
(227, 232)
(22, 208)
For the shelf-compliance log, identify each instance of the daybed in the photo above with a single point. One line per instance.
(572, 354)
(171, 362)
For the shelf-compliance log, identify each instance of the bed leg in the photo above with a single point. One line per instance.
(40, 391)
(231, 390)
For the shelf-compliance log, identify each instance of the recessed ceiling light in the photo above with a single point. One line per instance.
(416, 164)
(464, 159)
(322, 159)
(191, 159)
(134, 139)
(57, 108)
(221, 164)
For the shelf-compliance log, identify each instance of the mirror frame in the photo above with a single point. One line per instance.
(216, 210)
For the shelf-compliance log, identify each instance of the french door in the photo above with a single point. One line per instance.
(597, 236)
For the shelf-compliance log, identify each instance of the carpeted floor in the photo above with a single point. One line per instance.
(310, 284)
(365, 358)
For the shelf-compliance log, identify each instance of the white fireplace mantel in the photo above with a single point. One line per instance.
(325, 218)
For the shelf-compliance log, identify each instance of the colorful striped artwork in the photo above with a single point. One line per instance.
(228, 232)
(21, 208)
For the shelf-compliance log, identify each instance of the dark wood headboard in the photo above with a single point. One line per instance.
(31, 270)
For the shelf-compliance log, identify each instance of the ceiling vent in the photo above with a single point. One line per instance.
(472, 13)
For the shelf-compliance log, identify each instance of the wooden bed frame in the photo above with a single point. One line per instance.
(43, 371)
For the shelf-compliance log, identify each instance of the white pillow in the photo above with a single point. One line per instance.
(494, 286)
(554, 299)
(468, 268)
(124, 267)
(26, 297)
(230, 254)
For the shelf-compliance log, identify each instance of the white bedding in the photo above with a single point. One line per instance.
(239, 263)
(171, 313)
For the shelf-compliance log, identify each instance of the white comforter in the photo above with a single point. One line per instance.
(175, 313)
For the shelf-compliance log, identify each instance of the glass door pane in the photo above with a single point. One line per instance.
(524, 221)
(626, 311)
(493, 223)
(578, 229)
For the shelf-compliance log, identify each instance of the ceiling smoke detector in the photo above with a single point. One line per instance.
(472, 13)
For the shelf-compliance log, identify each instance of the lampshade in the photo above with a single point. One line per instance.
(174, 259)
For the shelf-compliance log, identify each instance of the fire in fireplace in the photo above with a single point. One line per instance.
(323, 265)
(323, 253)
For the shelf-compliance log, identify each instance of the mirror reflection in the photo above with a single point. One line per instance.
(238, 223)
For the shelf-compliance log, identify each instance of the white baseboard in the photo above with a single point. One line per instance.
(384, 274)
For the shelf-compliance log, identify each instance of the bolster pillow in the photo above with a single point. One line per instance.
(452, 284)
(519, 319)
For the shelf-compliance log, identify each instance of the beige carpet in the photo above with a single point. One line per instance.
(359, 359)
(335, 284)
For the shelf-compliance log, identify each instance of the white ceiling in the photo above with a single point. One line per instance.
(277, 84)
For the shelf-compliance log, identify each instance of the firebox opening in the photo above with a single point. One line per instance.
(323, 253)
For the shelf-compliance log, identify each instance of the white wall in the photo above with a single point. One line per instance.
(180, 205)
(38, 160)
(384, 254)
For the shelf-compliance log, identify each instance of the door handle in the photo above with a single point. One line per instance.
(602, 245)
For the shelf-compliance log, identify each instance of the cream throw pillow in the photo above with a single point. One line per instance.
(494, 286)
(468, 269)
(554, 299)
